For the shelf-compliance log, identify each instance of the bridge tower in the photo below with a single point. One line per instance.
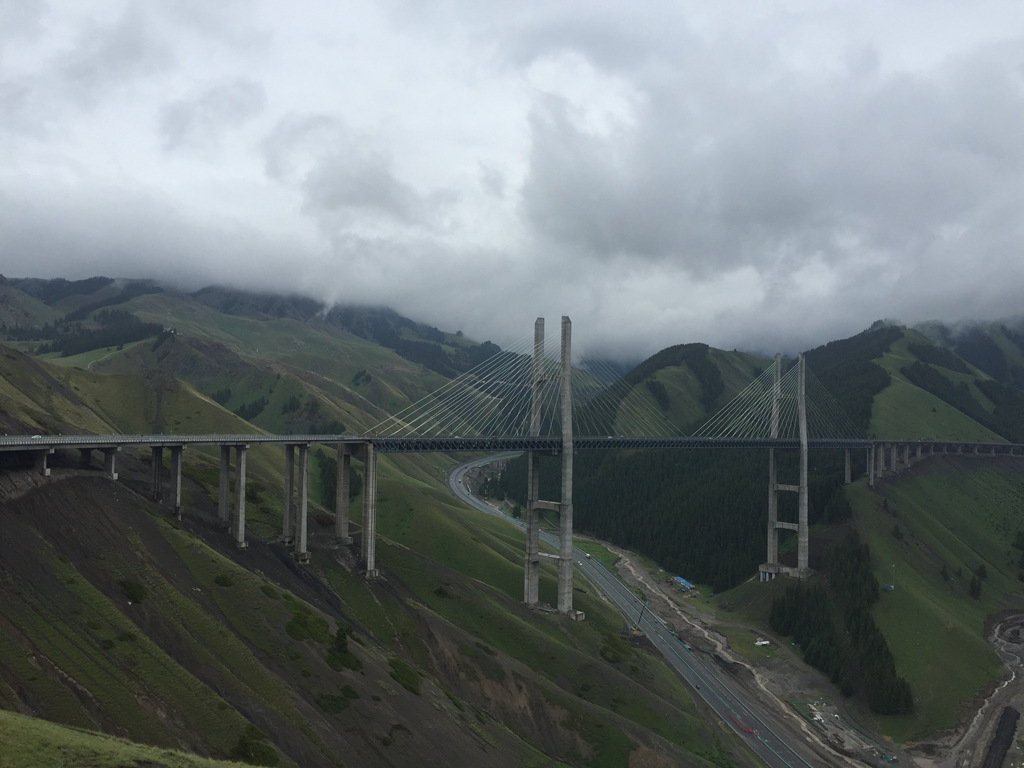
(773, 567)
(534, 505)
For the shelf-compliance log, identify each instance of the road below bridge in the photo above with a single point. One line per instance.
(775, 734)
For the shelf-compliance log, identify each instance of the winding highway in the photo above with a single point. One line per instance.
(728, 700)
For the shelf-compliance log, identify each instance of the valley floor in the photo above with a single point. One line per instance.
(783, 683)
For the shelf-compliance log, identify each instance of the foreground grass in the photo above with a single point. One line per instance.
(29, 743)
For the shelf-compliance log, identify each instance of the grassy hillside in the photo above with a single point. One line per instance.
(904, 410)
(935, 528)
(118, 618)
(228, 649)
(32, 741)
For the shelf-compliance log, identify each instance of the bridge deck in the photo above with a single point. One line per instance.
(473, 444)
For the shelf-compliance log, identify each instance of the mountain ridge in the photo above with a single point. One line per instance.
(208, 371)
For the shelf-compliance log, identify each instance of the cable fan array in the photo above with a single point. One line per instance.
(495, 399)
(750, 413)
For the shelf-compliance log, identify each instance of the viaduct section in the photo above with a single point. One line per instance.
(881, 457)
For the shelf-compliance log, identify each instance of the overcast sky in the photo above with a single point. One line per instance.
(761, 175)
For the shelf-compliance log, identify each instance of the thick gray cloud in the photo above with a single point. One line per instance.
(198, 121)
(754, 175)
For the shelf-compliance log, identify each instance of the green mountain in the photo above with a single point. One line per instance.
(317, 666)
(702, 514)
(119, 618)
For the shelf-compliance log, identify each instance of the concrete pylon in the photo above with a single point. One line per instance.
(770, 569)
(565, 561)
(531, 574)
(369, 539)
(803, 532)
(534, 505)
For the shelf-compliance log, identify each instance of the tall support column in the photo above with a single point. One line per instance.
(906, 454)
(771, 569)
(892, 458)
(848, 469)
(531, 578)
(223, 502)
(42, 461)
(176, 462)
(565, 561)
(289, 495)
(343, 480)
(110, 462)
(301, 552)
(881, 459)
(803, 533)
(869, 462)
(239, 524)
(919, 450)
(369, 553)
(157, 480)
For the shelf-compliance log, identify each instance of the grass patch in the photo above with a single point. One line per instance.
(405, 675)
(956, 514)
(598, 552)
(133, 590)
(254, 749)
(332, 703)
(29, 742)
(306, 625)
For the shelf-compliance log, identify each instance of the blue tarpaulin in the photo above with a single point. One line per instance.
(684, 582)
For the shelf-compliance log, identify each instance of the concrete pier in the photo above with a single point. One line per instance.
(343, 481)
(156, 473)
(176, 462)
(41, 461)
(238, 526)
(301, 552)
(288, 514)
(224, 500)
(110, 461)
(369, 538)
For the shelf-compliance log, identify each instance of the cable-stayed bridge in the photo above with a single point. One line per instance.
(525, 400)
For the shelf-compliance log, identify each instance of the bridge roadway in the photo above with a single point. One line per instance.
(481, 443)
(746, 716)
